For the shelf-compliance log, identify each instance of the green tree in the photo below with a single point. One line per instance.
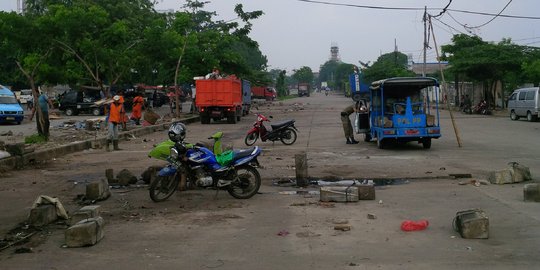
(280, 84)
(393, 64)
(303, 75)
(27, 54)
(474, 59)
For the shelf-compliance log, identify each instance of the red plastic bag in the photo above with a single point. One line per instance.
(410, 225)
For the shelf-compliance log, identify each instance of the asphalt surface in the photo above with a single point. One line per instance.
(278, 229)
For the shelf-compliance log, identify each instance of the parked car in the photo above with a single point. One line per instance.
(74, 102)
(10, 109)
(524, 102)
(25, 96)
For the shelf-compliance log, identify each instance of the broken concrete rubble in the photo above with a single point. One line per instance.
(98, 190)
(515, 173)
(531, 192)
(86, 212)
(86, 232)
(472, 224)
(125, 177)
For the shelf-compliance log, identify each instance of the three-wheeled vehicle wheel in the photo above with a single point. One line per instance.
(426, 143)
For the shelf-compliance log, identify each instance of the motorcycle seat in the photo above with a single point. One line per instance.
(239, 154)
(282, 124)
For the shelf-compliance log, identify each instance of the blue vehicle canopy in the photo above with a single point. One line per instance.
(401, 109)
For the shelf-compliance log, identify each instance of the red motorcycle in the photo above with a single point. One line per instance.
(284, 131)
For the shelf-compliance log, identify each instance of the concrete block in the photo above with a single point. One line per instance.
(15, 149)
(339, 194)
(97, 144)
(98, 190)
(149, 175)
(109, 174)
(366, 192)
(89, 211)
(531, 192)
(472, 224)
(501, 177)
(42, 215)
(87, 232)
(301, 169)
(125, 177)
(520, 173)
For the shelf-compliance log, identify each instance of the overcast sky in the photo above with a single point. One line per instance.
(294, 33)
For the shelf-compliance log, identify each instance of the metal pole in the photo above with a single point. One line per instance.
(425, 42)
(456, 131)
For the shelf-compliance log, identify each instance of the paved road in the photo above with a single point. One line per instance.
(199, 230)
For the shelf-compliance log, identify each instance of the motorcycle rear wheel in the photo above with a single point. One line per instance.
(288, 136)
(251, 138)
(246, 183)
(163, 187)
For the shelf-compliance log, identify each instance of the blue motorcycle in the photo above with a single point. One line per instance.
(197, 166)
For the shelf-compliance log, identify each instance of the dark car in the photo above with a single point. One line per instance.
(74, 102)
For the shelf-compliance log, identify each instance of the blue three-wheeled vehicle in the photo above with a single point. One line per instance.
(402, 110)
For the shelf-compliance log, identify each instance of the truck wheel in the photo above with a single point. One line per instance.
(96, 112)
(69, 112)
(205, 119)
(514, 116)
(426, 143)
(231, 118)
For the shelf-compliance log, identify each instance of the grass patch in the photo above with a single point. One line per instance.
(36, 138)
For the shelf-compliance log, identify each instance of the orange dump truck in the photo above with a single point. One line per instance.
(219, 98)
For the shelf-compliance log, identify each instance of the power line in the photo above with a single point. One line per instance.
(498, 14)
(419, 9)
(444, 10)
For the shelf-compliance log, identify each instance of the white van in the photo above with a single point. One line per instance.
(524, 102)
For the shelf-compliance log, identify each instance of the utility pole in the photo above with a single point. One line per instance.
(425, 42)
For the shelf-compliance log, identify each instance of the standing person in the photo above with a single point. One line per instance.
(155, 99)
(136, 111)
(347, 127)
(43, 104)
(214, 75)
(123, 117)
(116, 110)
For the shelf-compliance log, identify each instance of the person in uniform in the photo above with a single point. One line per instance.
(347, 126)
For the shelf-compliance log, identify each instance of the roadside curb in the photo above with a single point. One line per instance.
(18, 162)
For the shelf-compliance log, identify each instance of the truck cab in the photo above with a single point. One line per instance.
(401, 111)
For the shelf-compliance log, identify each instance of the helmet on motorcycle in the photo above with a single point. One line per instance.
(177, 131)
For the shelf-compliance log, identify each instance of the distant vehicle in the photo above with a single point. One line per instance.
(264, 92)
(74, 102)
(524, 102)
(25, 96)
(10, 109)
(304, 89)
(221, 98)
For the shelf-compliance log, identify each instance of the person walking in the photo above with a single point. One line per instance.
(136, 111)
(347, 127)
(116, 112)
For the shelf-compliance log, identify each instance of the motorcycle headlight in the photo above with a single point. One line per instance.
(174, 153)
(259, 118)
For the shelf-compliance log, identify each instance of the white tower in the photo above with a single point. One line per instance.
(334, 52)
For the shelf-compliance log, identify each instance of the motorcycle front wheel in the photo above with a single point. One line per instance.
(288, 136)
(251, 138)
(246, 183)
(163, 187)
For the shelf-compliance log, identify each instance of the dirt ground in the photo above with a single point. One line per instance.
(201, 229)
